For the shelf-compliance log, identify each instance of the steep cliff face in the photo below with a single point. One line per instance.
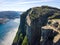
(30, 30)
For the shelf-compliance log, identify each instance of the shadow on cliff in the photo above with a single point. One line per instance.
(57, 43)
(48, 36)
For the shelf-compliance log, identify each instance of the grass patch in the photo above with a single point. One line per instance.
(25, 41)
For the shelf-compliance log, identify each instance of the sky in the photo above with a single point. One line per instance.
(23, 5)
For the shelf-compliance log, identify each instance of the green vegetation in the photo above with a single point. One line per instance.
(44, 13)
(25, 41)
(16, 38)
(55, 16)
(21, 34)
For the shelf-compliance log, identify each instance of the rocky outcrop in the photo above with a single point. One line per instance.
(31, 23)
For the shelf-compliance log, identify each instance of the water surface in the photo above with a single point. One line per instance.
(8, 31)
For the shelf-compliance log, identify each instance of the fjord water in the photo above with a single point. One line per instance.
(8, 31)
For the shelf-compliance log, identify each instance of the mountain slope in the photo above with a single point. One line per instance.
(9, 14)
(30, 30)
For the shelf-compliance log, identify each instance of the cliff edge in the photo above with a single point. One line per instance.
(35, 27)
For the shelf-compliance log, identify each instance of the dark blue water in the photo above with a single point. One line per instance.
(11, 27)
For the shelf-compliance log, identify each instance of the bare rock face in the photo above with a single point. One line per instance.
(34, 29)
(35, 32)
(51, 36)
(31, 24)
(48, 36)
(35, 21)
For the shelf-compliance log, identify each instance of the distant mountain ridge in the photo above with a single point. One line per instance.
(9, 14)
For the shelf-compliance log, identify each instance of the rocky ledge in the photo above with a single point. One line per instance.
(35, 28)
